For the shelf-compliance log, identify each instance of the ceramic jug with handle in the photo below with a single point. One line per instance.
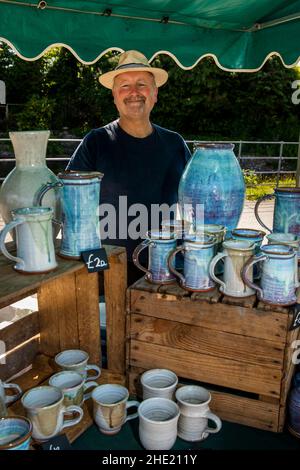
(79, 196)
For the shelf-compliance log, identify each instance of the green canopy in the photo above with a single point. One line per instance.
(240, 34)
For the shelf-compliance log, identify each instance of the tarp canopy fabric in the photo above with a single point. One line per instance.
(240, 34)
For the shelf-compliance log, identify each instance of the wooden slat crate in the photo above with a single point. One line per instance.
(238, 348)
(67, 318)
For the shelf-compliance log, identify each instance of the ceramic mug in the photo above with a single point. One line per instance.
(77, 360)
(159, 383)
(279, 274)
(15, 433)
(158, 418)
(160, 243)
(235, 254)
(44, 407)
(289, 239)
(73, 387)
(193, 402)
(198, 253)
(110, 405)
(34, 237)
(7, 399)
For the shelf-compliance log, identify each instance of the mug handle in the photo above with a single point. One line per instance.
(129, 404)
(71, 409)
(216, 420)
(136, 254)
(170, 263)
(38, 197)
(12, 398)
(212, 266)
(244, 273)
(258, 202)
(3, 235)
(92, 377)
(86, 386)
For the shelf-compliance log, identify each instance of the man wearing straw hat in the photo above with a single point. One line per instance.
(141, 161)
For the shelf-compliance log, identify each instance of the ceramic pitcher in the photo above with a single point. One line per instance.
(160, 243)
(80, 193)
(289, 239)
(286, 210)
(198, 253)
(34, 238)
(30, 173)
(279, 277)
(235, 254)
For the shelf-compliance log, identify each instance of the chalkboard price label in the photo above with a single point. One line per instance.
(95, 260)
(60, 442)
(296, 317)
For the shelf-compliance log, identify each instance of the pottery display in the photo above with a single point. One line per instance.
(29, 174)
(212, 188)
(79, 196)
(286, 210)
(279, 274)
(34, 239)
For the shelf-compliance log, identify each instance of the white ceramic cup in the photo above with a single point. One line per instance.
(77, 360)
(193, 402)
(45, 409)
(158, 419)
(159, 383)
(110, 405)
(73, 387)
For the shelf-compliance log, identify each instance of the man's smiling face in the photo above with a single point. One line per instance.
(135, 94)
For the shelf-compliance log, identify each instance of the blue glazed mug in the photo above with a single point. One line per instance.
(80, 193)
(198, 253)
(286, 210)
(160, 243)
(15, 433)
(279, 274)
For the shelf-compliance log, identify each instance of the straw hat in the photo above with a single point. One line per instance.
(133, 61)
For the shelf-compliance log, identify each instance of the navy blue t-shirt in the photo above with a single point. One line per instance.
(145, 170)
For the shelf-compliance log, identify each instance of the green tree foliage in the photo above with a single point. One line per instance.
(204, 103)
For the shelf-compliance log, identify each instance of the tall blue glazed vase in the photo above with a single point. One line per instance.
(212, 188)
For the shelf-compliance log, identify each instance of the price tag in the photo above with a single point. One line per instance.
(56, 443)
(296, 317)
(95, 260)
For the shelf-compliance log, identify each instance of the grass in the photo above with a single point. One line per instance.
(259, 185)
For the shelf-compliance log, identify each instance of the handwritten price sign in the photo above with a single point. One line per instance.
(95, 260)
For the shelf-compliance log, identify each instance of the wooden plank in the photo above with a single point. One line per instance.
(205, 368)
(19, 358)
(42, 368)
(14, 286)
(272, 307)
(142, 284)
(236, 409)
(58, 315)
(88, 316)
(206, 341)
(247, 302)
(212, 296)
(220, 317)
(227, 406)
(173, 289)
(115, 285)
(20, 331)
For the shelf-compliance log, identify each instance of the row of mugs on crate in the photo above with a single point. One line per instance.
(233, 263)
(161, 419)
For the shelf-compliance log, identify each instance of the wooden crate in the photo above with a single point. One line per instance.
(67, 318)
(240, 350)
